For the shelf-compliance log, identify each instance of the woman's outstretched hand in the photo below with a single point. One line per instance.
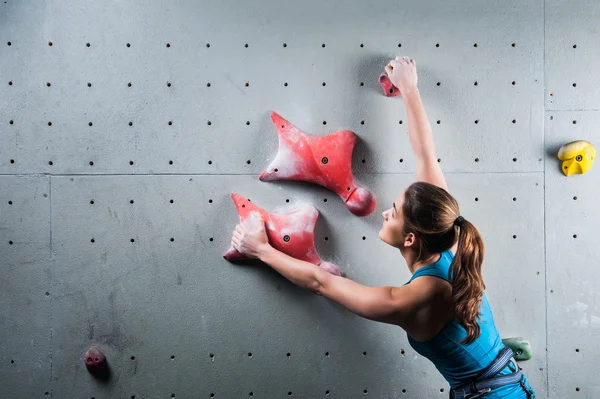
(402, 72)
(251, 239)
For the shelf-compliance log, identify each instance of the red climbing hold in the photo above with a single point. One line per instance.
(95, 361)
(291, 233)
(388, 87)
(326, 161)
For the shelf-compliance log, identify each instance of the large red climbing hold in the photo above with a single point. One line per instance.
(95, 361)
(388, 87)
(326, 161)
(291, 233)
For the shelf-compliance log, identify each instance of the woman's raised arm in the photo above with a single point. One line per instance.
(402, 72)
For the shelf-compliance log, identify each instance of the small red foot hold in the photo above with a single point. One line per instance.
(291, 233)
(388, 88)
(95, 361)
(326, 161)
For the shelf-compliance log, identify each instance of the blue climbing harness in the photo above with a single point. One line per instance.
(486, 381)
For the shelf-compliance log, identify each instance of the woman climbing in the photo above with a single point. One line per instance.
(443, 307)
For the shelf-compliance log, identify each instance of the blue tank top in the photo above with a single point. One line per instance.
(461, 363)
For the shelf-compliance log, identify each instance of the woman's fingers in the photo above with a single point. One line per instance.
(388, 69)
(236, 238)
(402, 59)
(393, 64)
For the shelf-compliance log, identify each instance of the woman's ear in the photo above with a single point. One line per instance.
(409, 240)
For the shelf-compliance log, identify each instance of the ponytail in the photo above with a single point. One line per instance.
(430, 213)
(467, 281)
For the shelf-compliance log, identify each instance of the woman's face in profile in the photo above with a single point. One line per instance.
(393, 222)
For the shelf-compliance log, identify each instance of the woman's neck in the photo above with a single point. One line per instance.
(410, 257)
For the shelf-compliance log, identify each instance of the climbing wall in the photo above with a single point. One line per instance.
(126, 125)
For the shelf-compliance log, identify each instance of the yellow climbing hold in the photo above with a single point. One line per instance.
(577, 157)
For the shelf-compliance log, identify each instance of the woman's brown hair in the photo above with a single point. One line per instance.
(429, 213)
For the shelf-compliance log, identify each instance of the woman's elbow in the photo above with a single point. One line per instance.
(319, 283)
(315, 287)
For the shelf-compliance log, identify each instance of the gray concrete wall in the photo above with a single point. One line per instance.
(178, 321)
